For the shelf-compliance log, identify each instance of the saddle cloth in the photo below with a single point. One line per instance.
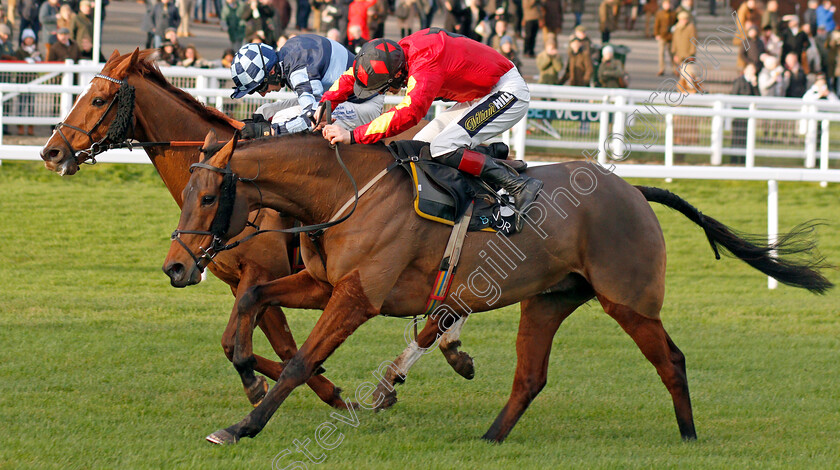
(442, 193)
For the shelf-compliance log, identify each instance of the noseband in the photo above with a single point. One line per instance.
(117, 135)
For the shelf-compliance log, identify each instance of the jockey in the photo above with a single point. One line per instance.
(307, 64)
(491, 97)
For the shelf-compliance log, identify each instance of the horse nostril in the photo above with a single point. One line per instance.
(51, 154)
(174, 270)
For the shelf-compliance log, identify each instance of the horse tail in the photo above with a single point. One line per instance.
(754, 250)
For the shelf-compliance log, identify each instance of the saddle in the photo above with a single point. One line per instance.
(442, 193)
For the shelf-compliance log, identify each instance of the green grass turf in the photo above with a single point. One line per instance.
(104, 365)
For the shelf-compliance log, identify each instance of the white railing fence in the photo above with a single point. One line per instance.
(607, 125)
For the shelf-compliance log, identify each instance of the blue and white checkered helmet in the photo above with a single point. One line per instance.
(250, 67)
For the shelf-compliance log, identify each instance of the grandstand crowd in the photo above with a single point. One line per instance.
(796, 55)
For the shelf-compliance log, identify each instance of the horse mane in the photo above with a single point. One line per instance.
(148, 69)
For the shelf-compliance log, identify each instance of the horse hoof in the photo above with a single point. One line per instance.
(389, 399)
(461, 362)
(222, 438)
(464, 366)
(257, 391)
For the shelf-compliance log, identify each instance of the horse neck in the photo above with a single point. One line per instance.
(302, 177)
(162, 117)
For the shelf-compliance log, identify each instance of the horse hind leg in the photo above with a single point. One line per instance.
(654, 342)
(461, 362)
(392, 373)
(540, 318)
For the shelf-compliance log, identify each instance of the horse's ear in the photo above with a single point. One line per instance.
(222, 157)
(114, 55)
(211, 139)
(135, 57)
(122, 68)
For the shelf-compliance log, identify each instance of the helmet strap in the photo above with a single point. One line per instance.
(275, 75)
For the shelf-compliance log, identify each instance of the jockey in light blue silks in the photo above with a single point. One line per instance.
(307, 64)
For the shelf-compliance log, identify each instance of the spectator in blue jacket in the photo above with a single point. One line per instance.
(825, 16)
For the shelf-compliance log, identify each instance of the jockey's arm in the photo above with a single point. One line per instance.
(421, 90)
(306, 90)
(341, 90)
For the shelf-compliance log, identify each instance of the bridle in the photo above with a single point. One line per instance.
(117, 135)
(227, 198)
(221, 221)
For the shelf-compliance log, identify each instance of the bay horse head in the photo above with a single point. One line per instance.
(211, 214)
(101, 117)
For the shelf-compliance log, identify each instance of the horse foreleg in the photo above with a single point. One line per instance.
(284, 345)
(347, 309)
(540, 318)
(299, 291)
(255, 387)
(661, 351)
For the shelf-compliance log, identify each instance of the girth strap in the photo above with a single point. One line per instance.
(451, 256)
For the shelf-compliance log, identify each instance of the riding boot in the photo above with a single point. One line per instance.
(523, 188)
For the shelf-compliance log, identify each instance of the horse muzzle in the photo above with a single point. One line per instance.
(59, 160)
(182, 276)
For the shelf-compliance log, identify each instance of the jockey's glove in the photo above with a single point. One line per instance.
(255, 129)
(304, 122)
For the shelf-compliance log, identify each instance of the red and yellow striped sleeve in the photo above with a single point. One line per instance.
(421, 90)
(341, 89)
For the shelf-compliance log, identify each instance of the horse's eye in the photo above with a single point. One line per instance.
(208, 200)
(98, 102)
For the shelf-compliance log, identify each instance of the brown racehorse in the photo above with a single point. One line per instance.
(589, 235)
(162, 112)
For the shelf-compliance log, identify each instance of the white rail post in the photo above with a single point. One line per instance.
(772, 222)
(1, 122)
(66, 103)
(717, 134)
(97, 30)
(201, 84)
(669, 142)
(750, 158)
(519, 131)
(824, 140)
(810, 139)
(603, 132)
(618, 127)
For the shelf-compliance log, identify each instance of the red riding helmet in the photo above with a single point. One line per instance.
(380, 65)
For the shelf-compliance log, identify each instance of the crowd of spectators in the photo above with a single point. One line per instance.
(789, 55)
(47, 30)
